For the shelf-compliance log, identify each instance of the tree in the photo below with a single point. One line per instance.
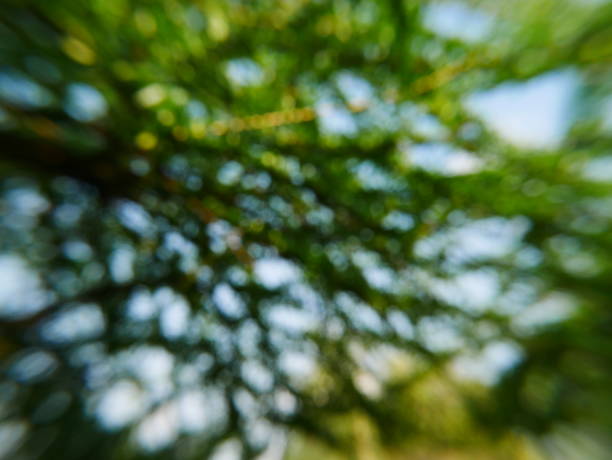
(233, 223)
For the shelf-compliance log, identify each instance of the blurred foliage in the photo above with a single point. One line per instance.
(276, 224)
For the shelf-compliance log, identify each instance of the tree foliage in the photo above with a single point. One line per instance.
(236, 223)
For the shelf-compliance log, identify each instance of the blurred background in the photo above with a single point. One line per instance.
(296, 229)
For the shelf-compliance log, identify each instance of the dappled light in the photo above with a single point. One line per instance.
(281, 229)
